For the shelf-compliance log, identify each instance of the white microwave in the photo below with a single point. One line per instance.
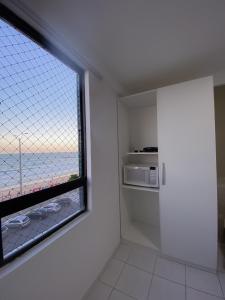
(141, 175)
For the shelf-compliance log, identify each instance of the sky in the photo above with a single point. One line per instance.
(38, 97)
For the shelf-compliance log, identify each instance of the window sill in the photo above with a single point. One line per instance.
(20, 260)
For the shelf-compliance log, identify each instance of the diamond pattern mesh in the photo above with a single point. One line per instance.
(40, 135)
(36, 221)
(39, 106)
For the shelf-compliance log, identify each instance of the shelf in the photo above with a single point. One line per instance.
(142, 153)
(142, 233)
(140, 188)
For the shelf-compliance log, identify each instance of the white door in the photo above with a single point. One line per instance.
(187, 160)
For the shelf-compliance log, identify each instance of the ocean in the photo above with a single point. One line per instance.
(36, 167)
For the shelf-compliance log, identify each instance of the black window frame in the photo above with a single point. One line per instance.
(25, 201)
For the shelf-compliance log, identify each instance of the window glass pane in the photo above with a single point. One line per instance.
(23, 228)
(39, 124)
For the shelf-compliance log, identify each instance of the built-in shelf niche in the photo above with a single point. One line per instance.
(137, 128)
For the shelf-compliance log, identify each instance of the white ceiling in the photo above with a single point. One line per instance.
(143, 44)
(143, 99)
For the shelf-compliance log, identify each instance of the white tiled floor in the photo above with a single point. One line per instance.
(203, 281)
(112, 272)
(123, 252)
(166, 290)
(170, 270)
(134, 282)
(99, 291)
(142, 258)
(139, 273)
(222, 281)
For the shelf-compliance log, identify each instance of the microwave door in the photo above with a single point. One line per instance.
(136, 176)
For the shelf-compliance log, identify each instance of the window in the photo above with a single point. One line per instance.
(42, 148)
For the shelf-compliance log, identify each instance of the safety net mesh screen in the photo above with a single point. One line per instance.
(39, 122)
(24, 227)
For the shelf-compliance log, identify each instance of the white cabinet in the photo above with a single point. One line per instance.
(188, 200)
(180, 220)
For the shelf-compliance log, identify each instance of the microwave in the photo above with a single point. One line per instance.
(141, 175)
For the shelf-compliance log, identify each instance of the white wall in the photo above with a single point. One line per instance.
(143, 127)
(67, 268)
(144, 207)
(123, 136)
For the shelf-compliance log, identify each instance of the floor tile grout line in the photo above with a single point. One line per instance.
(121, 291)
(111, 286)
(104, 269)
(185, 280)
(153, 272)
(122, 260)
(114, 286)
(220, 285)
(159, 255)
(128, 256)
(98, 280)
(172, 260)
(172, 281)
(113, 257)
(186, 286)
(124, 293)
(110, 294)
(137, 268)
(154, 266)
(126, 262)
(205, 292)
(183, 264)
(163, 277)
(140, 269)
(108, 285)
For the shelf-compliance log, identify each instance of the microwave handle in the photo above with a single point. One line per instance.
(163, 173)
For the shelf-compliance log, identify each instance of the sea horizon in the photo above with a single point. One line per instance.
(36, 166)
(25, 152)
